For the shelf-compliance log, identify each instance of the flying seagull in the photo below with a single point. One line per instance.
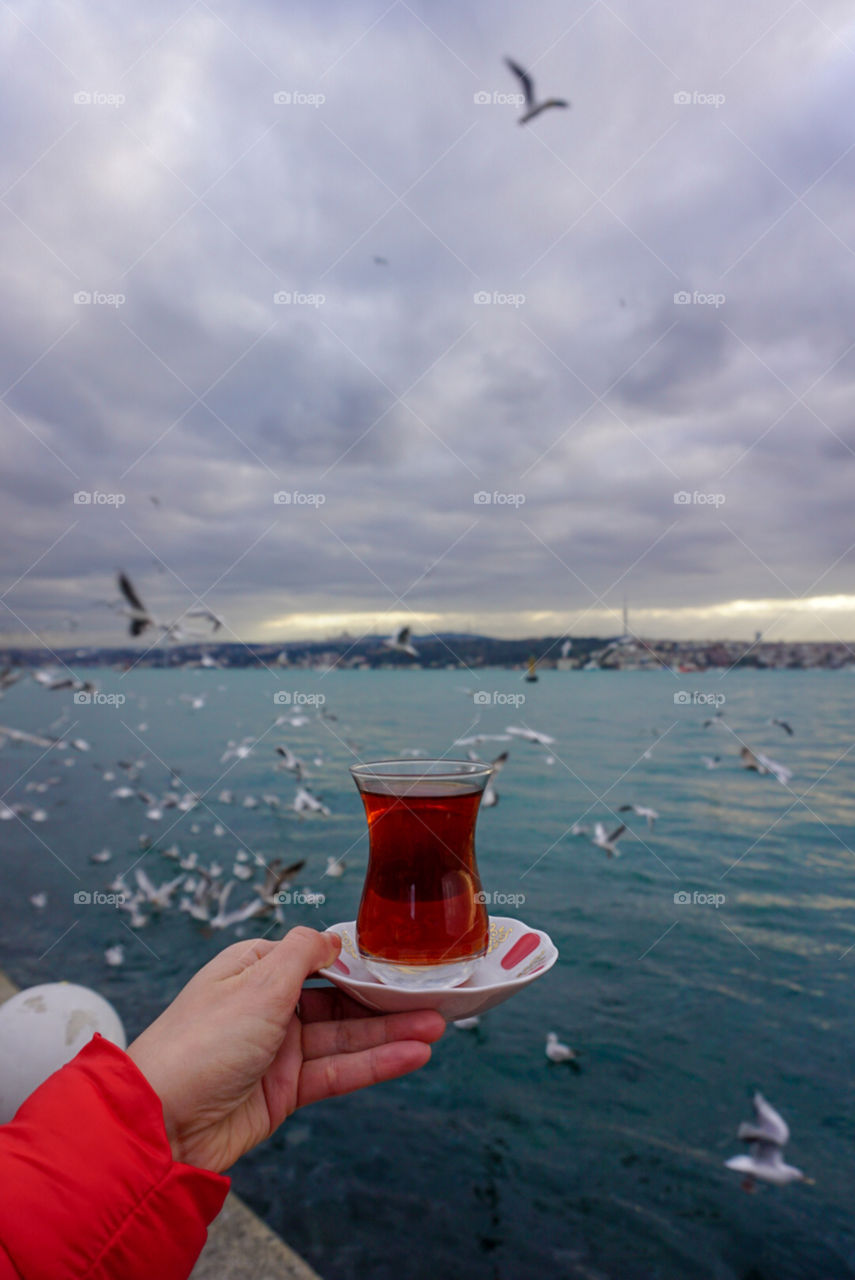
(142, 618)
(782, 724)
(643, 812)
(490, 796)
(400, 643)
(758, 763)
(530, 735)
(534, 107)
(608, 842)
(767, 1136)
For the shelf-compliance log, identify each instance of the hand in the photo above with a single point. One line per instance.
(230, 1058)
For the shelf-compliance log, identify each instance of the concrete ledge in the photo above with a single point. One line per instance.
(240, 1246)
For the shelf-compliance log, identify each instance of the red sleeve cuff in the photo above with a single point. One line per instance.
(90, 1187)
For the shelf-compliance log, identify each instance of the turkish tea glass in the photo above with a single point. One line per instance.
(422, 921)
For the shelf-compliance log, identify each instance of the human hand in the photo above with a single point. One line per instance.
(230, 1058)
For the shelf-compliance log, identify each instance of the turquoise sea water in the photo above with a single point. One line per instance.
(492, 1163)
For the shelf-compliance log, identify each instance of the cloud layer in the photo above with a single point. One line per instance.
(629, 324)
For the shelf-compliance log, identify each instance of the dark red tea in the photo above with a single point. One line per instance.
(419, 902)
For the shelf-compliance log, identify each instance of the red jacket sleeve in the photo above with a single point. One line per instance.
(88, 1186)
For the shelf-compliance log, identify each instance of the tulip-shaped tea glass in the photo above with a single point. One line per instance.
(422, 920)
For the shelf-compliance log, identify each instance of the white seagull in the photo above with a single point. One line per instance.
(608, 842)
(556, 1051)
(643, 812)
(159, 896)
(530, 735)
(115, 955)
(223, 919)
(400, 643)
(756, 761)
(335, 868)
(491, 795)
(534, 107)
(305, 802)
(767, 1136)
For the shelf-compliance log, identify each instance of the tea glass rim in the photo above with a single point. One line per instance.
(420, 777)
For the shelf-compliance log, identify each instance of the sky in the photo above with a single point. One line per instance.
(301, 325)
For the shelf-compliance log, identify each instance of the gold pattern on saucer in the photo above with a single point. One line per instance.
(533, 964)
(499, 933)
(348, 944)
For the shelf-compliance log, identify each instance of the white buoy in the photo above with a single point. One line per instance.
(41, 1029)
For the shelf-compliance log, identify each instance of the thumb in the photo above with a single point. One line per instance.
(290, 962)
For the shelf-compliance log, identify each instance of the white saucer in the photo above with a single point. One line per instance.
(517, 955)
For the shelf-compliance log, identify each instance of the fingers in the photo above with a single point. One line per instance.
(323, 1039)
(328, 1077)
(284, 968)
(322, 1004)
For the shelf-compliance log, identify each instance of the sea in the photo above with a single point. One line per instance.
(714, 957)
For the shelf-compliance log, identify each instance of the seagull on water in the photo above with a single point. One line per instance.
(533, 107)
(556, 1051)
(711, 762)
(115, 955)
(608, 842)
(335, 868)
(767, 1136)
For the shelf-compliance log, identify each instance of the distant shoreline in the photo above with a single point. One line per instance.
(460, 651)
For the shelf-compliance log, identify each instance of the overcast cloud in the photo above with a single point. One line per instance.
(581, 391)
